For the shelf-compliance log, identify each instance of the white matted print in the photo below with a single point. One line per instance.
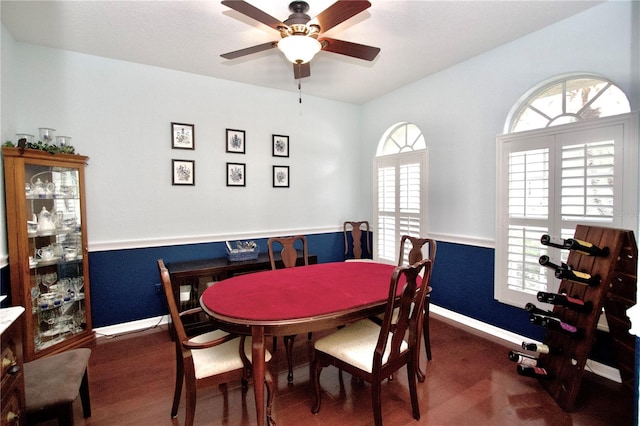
(182, 136)
(280, 176)
(183, 172)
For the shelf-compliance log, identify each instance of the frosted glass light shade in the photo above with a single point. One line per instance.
(299, 49)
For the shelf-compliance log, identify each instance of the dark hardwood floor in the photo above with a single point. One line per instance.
(470, 381)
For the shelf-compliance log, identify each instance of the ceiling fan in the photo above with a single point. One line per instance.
(301, 37)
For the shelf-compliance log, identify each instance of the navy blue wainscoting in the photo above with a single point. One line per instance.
(123, 282)
(462, 281)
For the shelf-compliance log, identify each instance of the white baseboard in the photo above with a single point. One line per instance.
(480, 328)
(508, 338)
(131, 327)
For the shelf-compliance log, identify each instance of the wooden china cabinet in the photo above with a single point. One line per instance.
(48, 262)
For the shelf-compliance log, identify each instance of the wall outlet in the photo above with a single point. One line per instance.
(158, 288)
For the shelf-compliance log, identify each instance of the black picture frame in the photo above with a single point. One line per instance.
(183, 136)
(235, 141)
(236, 174)
(281, 176)
(280, 145)
(183, 172)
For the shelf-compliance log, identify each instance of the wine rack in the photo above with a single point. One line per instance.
(615, 294)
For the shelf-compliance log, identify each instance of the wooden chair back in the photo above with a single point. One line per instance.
(405, 320)
(415, 252)
(288, 254)
(355, 228)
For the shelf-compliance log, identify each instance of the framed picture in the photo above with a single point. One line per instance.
(182, 136)
(280, 176)
(280, 145)
(235, 141)
(183, 172)
(236, 174)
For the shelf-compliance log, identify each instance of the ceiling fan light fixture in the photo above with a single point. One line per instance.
(299, 49)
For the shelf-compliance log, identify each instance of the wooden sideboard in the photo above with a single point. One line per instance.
(191, 277)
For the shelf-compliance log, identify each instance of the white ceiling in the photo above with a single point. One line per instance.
(417, 38)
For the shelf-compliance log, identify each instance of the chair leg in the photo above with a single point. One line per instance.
(191, 396)
(65, 414)
(416, 355)
(316, 369)
(288, 343)
(411, 376)
(376, 403)
(425, 331)
(85, 397)
(270, 394)
(178, 388)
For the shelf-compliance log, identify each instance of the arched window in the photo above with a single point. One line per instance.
(400, 198)
(402, 137)
(572, 166)
(568, 100)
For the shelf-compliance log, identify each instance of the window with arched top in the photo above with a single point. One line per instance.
(400, 198)
(401, 137)
(568, 100)
(569, 157)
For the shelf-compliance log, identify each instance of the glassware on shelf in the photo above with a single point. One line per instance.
(46, 134)
(63, 141)
(78, 283)
(49, 279)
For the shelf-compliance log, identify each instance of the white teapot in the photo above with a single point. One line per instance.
(46, 221)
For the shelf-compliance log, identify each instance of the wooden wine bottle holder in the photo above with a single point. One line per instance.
(616, 293)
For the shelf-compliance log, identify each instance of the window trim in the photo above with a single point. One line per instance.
(420, 156)
(627, 216)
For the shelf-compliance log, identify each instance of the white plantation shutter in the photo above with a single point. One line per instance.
(400, 201)
(551, 180)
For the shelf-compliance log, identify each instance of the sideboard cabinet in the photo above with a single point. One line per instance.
(47, 239)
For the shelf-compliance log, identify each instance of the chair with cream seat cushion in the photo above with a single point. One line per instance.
(373, 352)
(212, 358)
(414, 255)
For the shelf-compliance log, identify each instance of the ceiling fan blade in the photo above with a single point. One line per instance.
(339, 12)
(253, 13)
(301, 70)
(360, 51)
(249, 50)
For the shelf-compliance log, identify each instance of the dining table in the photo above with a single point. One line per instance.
(290, 301)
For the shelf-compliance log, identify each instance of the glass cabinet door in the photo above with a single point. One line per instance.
(54, 235)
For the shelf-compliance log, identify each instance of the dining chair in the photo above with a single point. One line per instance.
(373, 352)
(355, 230)
(415, 254)
(289, 256)
(212, 358)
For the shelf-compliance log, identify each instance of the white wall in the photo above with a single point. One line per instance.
(462, 109)
(119, 114)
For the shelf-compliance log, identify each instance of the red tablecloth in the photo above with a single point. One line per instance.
(300, 292)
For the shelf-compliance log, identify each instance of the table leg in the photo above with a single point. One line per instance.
(257, 363)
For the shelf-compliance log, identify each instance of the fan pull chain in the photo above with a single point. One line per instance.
(299, 91)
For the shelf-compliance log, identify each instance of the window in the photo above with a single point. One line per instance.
(555, 177)
(401, 182)
(568, 101)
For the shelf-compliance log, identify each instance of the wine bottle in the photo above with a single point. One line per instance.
(566, 301)
(523, 359)
(550, 241)
(584, 247)
(533, 309)
(541, 348)
(538, 372)
(551, 263)
(555, 324)
(577, 276)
